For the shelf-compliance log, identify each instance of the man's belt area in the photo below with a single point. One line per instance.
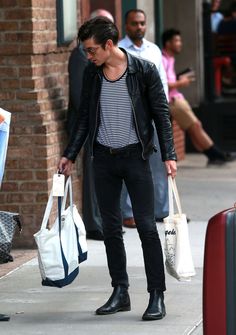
(117, 151)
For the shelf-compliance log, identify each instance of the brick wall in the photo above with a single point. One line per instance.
(33, 87)
(179, 140)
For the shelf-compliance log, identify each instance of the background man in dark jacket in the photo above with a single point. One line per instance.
(121, 96)
(77, 63)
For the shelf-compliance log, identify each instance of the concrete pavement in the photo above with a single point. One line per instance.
(42, 310)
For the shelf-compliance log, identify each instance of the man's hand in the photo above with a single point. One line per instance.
(65, 166)
(185, 80)
(171, 168)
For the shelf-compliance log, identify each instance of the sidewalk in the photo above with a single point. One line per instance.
(37, 310)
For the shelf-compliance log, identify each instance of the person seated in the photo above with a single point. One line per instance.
(180, 109)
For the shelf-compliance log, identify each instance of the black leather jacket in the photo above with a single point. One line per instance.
(148, 102)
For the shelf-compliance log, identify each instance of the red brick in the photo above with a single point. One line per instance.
(27, 83)
(24, 3)
(40, 25)
(18, 14)
(10, 208)
(32, 209)
(49, 128)
(43, 13)
(42, 36)
(25, 49)
(19, 60)
(27, 95)
(9, 49)
(7, 96)
(2, 60)
(26, 140)
(8, 72)
(53, 162)
(9, 84)
(9, 187)
(33, 186)
(2, 198)
(18, 37)
(53, 150)
(20, 152)
(13, 106)
(32, 108)
(26, 26)
(25, 240)
(33, 164)
(42, 4)
(18, 198)
(42, 198)
(179, 140)
(19, 175)
(42, 175)
(34, 118)
(12, 163)
(8, 3)
(25, 72)
(40, 152)
(38, 71)
(8, 26)
(27, 130)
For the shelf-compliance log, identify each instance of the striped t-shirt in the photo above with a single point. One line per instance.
(116, 128)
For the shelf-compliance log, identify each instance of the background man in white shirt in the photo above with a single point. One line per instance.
(135, 43)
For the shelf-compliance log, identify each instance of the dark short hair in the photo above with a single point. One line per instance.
(169, 34)
(134, 10)
(101, 29)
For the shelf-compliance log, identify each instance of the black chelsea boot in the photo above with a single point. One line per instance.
(119, 301)
(156, 307)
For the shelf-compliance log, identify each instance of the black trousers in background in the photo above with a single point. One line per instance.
(109, 171)
(91, 214)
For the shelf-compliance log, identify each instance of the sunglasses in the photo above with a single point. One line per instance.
(91, 51)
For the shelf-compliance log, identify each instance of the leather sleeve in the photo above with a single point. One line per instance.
(76, 67)
(160, 113)
(80, 132)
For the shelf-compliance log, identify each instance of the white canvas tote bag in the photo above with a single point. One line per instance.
(59, 248)
(179, 262)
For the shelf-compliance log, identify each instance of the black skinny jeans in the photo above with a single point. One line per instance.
(109, 171)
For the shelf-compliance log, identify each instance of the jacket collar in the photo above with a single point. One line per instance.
(130, 61)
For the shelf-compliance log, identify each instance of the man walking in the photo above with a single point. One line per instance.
(121, 96)
(135, 43)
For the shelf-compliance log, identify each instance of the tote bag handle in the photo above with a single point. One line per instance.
(50, 203)
(47, 211)
(173, 193)
(68, 186)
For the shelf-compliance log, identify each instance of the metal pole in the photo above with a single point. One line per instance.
(208, 52)
(158, 4)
